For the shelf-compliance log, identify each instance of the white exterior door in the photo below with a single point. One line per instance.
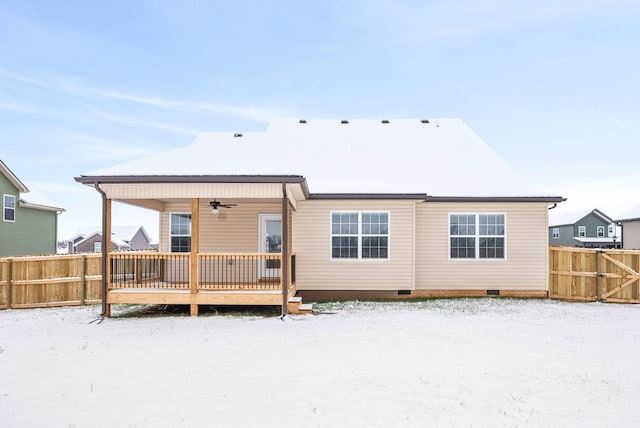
(271, 242)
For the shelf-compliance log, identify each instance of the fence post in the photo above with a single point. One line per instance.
(598, 274)
(83, 279)
(9, 286)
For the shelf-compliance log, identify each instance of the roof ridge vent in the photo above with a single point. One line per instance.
(344, 121)
(237, 134)
(424, 121)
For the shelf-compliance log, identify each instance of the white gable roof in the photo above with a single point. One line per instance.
(119, 233)
(632, 214)
(36, 200)
(573, 217)
(441, 158)
(4, 169)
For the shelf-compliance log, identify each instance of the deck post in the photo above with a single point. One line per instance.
(193, 260)
(106, 248)
(284, 274)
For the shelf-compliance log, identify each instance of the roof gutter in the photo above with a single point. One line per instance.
(627, 220)
(369, 196)
(104, 248)
(26, 204)
(220, 179)
(551, 199)
(129, 179)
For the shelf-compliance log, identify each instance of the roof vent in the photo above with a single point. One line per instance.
(237, 134)
(424, 121)
(302, 121)
(385, 121)
(344, 121)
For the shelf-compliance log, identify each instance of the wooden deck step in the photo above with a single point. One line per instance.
(305, 308)
(296, 306)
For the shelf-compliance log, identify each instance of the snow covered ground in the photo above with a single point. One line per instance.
(439, 363)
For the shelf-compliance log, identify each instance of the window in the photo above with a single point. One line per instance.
(555, 233)
(359, 235)
(180, 231)
(97, 247)
(9, 208)
(600, 231)
(582, 231)
(476, 236)
(610, 230)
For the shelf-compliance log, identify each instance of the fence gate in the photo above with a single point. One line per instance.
(594, 274)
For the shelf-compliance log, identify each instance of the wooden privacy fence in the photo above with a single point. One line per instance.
(594, 275)
(44, 281)
(574, 274)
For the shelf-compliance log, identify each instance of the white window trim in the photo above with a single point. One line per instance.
(359, 236)
(477, 237)
(600, 232)
(555, 233)
(171, 235)
(582, 229)
(97, 247)
(4, 208)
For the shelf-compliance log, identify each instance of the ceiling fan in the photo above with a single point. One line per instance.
(216, 204)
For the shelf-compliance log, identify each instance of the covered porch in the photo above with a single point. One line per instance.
(223, 241)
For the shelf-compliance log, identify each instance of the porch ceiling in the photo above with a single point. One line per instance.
(156, 195)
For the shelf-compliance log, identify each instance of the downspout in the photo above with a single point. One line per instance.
(104, 246)
(284, 273)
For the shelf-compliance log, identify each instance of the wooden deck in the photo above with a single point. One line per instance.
(217, 279)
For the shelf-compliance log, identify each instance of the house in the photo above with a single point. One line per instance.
(592, 229)
(28, 227)
(123, 238)
(329, 208)
(630, 225)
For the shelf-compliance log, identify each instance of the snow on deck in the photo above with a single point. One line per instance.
(441, 363)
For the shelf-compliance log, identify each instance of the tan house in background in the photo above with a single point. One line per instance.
(399, 208)
(630, 224)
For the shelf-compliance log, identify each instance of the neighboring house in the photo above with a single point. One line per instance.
(630, 225)
(123, 238)
(384, 208)
(592, 229)
(26, 227)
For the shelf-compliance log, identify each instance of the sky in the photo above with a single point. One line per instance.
(551, 85)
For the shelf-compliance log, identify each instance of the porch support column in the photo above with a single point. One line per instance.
(195, 249)
(106, 249)
(284, 268)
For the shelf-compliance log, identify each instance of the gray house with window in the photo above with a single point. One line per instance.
(592, 229)
(26, 228)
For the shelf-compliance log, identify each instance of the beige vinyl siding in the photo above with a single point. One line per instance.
(233, 230)
(526, 263)
(312, 245)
